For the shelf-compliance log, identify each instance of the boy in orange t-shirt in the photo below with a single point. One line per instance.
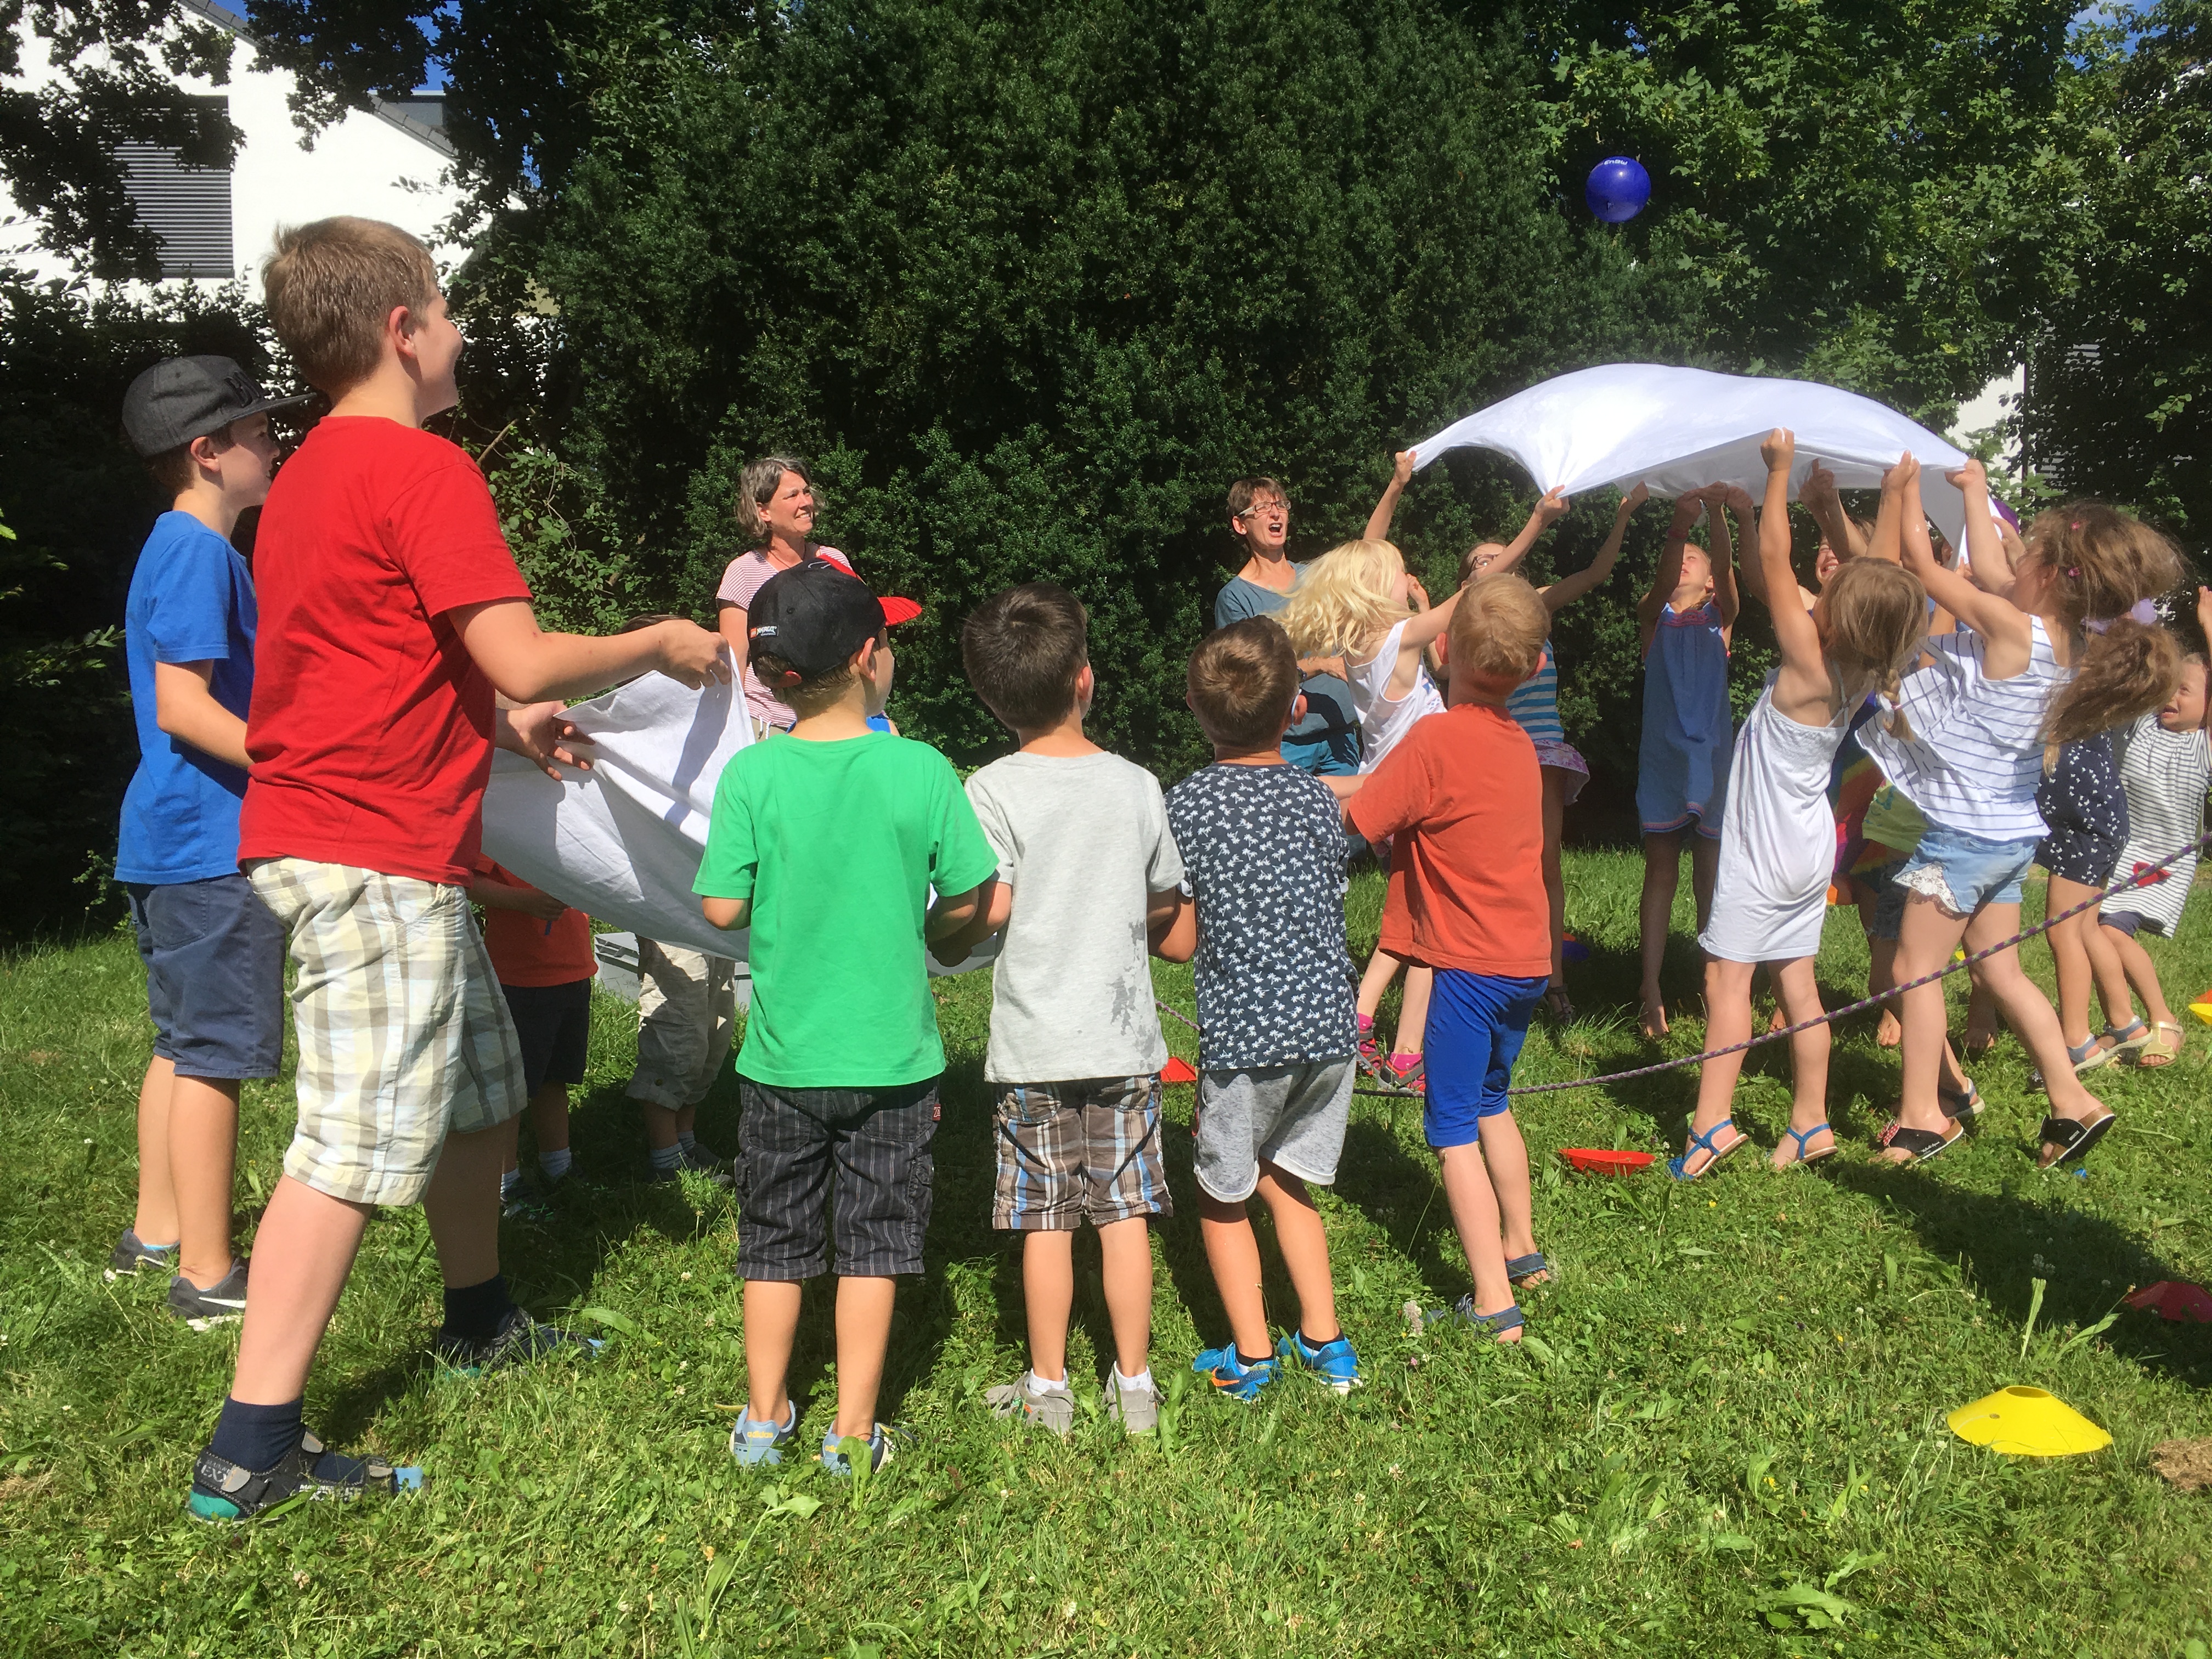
(541, 951)
(1463, 794)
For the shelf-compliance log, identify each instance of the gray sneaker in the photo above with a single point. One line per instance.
(218, 1304)
(701, 1160)
(132, 1253)
(1136, 1409)
(1055, 1410)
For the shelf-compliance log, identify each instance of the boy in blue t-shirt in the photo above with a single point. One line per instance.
(214, 954)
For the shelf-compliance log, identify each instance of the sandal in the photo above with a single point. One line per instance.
(1558, 1005)
(1803, 1157)
(2154, 1055)
(2072, 1137)
(1405, 1071)
(2084, 1058)
(1523, 1268)
(1960, 1105)
(2124, 1046)
(1917, 1144)
(1678, 1167)
(1462, 1312)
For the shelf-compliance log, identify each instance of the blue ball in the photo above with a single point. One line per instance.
(1618, 189)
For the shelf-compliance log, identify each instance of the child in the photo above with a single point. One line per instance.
(827, 843)
(1686, 621)
(1263, 846)
(1325, 742)
(541, 951)
(214, 954)
(1777, 839)
(1981, 715)
(1087, 870)
(1463, 794)
(2085, 814)
(1534, 707)
(1359, 602)
(776, 512)
(391, 614)
(687, 1012)
(2166, 764)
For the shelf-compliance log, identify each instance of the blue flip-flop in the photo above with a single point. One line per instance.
(1678, 1167)
(1801, 1137)
(1527, 1267)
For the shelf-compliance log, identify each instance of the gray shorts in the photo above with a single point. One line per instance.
(1291, 1116)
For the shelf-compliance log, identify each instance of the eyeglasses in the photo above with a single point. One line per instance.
(1259, 508)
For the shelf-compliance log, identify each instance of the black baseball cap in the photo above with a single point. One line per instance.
(181, 399)
(813, 616)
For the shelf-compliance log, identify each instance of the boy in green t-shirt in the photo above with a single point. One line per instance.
(827, 843)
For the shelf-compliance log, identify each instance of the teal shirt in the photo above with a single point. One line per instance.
(837, 845)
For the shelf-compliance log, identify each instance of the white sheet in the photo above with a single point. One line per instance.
(1678, 429)
(621, 842)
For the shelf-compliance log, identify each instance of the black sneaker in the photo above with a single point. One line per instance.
(218, 1304)
(221, 1491)
(518, 1339)
(703, 1160)
(132, 1253)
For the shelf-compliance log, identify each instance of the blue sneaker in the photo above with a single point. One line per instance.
(1336, 1362)
(753, 1442)
(1230, 1376)
(834, 1460)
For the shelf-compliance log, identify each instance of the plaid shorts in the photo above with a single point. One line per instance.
(1072, 1153)
(404, 1034)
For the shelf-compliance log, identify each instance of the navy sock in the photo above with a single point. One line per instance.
(475, 1312)
(337, 1466)
(1246, 1359)
(256, 1437)
(1309, 1344)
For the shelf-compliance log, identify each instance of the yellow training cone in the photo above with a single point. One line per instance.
(2027, 1423)
(2203, 1007)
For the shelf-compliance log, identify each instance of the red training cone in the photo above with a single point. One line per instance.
(1594, 1160)
(1177, 1071)
(2173, 1298)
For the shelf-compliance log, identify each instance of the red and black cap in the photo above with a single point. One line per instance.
(812, 617)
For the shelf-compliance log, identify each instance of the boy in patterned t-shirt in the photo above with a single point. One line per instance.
(1264, 848)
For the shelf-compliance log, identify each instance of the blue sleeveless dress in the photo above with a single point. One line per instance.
(1682, 764)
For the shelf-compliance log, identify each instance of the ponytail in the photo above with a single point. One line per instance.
(2126, 670)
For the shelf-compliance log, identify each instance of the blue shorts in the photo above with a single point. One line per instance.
(215, 976)
(1962, 872)
(1333, 754)
(1477, 1023)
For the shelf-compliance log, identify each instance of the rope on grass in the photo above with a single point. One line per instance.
(2141, 877)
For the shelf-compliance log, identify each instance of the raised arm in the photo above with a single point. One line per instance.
(1378, 521)
(1986, 553)
(1566, 591)
(1668, 576)
(1793, 632)
(1990, 615)
(1551, 506)
(1827, 508)
(1724, 557)
(1426, 622)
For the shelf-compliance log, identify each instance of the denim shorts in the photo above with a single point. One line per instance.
(1962, 872)
(1477, 1025)
(215, 976)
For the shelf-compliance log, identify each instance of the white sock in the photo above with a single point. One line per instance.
(686, 1140)
(510, 1183)
(1143, 1379)
(1041, 1386)
(665, 1158)
(555, 1164)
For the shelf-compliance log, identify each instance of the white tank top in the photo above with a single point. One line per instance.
(1383, 722)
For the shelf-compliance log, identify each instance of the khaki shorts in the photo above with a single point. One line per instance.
(403, 1035)
(687, 1009)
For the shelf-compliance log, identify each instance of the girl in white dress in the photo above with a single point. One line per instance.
(1777, 833)
(1359, 601)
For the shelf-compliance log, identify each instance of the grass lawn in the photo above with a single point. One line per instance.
(1727, 1435)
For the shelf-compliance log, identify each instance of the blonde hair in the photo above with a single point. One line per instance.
(331, 284)
(1498, 630)
(1343, 603)
(2105, 560)
(1874, 617)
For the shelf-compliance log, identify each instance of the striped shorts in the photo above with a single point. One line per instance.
(1072, 1153)
(404, 1034)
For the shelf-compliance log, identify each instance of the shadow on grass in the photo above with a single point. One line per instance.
(1997, 1238)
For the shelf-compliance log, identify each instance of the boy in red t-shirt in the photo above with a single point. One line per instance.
(1463, 794)
(541, 950)
(391, 614)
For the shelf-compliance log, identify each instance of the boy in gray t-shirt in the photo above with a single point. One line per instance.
(1088, 881)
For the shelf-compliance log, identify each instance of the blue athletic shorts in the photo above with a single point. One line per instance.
(1477, 1023)
(215, 976)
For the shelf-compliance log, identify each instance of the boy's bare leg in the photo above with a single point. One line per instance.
(549, 1117)
(1475, 1213)
(1413, 1016)
(662, 1127)
(1125, 1247)
(202, 1155)
(864, 1336)
(1662, 873)
(771, 1311)
(1232, 1251)
(1304, 1244)
(462, 1205)
(2135, 960)
(1796, 984)
(686, 1120)
(156, 1222)
(1048, 1297)
(301, 1255)
(1506, 1155)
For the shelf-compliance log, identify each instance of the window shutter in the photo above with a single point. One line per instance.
(187, 209)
